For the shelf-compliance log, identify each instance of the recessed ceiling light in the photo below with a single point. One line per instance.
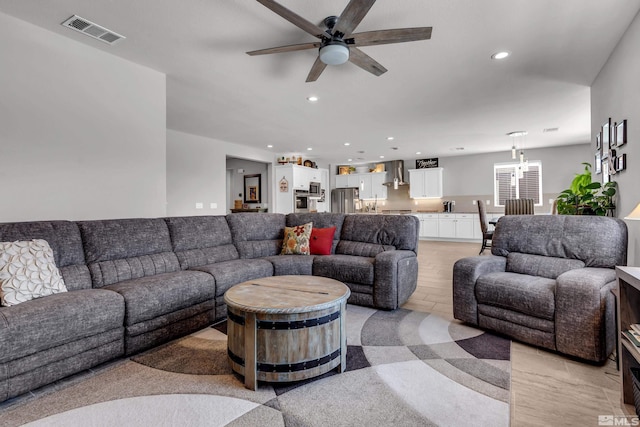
(309, 148)
(312, 98)
(517, 133)
(500, 55)
(418, 152)
(347, 143)
(349, 160)
(269, 146)
(390, 138)
(382, 157)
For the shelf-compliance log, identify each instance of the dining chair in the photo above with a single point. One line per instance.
(487, 234)
(518, 207)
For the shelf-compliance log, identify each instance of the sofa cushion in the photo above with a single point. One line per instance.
(321, 240)
(201, 240)
(563, 236)
(544, 266)
(296, 240)
(345, 268)
(65, 241)
(284, 265)
(397, 231)
(56, 320)
(531, 295)
(27, 271)
(153, 296)
(229, 273)
(348, 247)
(127, 249)
(257, 235)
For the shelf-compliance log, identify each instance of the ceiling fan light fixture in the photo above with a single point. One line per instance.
(334, 53)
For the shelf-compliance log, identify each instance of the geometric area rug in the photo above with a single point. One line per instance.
(404, 368)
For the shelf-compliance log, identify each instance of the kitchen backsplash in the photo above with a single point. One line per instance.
(399, 200)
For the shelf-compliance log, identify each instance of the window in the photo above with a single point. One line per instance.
(518, 181)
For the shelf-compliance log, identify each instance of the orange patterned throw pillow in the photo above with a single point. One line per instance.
(296, 240)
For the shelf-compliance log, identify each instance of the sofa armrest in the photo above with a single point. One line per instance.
(396, 277)
(465, 274)
(585, 320)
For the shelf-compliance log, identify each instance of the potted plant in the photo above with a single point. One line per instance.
(586, 197)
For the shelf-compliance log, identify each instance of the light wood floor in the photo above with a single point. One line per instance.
(547, 389)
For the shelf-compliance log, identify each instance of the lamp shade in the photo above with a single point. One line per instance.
(635, 214)
(334, 54)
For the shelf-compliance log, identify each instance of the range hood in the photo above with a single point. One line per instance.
(397, 173)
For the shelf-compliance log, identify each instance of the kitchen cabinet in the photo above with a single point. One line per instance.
(298, 178)
(369, 184)
(460, 226)
(425, 183)
(428, 225)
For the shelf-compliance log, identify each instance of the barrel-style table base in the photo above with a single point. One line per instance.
(286, 328)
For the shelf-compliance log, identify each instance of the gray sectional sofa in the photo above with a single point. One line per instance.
(136, 283)
(548, 282)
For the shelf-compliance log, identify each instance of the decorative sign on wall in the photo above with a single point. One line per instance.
(427, 163)
(284, 185)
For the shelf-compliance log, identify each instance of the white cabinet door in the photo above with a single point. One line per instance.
(378, 190)
(353, 180)
(464, 226)
(433, 182)
(300, 177)
(447, 226)
(429, 226)
(416, 184)
(342, 181)
(425, 183)
(366, 189)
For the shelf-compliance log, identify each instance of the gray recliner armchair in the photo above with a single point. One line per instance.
(548, 282)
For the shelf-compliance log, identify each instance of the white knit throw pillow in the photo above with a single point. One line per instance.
(27, 271)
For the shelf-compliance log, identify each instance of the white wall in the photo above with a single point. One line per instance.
(472, 175)
(82, 132)
(196, 172)
(614, 94)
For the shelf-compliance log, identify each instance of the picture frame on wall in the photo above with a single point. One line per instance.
(598, 162)
(621, 133)
(598, 141)
(606, 134)
(621, 163)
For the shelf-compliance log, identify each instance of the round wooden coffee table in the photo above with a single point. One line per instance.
(286, 328)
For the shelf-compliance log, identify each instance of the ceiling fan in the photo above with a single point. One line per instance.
(338, 44)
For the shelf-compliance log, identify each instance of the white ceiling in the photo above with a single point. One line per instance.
(438, 95)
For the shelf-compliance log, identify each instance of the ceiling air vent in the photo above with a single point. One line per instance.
(92, 30)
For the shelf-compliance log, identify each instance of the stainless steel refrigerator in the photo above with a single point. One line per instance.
(345, 200)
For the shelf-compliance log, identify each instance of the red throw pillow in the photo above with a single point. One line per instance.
(321, 240)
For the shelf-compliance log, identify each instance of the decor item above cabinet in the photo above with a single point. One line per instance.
(425, 183)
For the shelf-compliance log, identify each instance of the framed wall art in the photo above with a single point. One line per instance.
(621, 162)
(598, 162)
(606, 134)
(621, 133)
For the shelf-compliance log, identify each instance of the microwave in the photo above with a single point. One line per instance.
(314, 190)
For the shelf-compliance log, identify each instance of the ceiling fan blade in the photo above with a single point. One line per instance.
(352, 15)
(294, 18)
(317, 69)
(365, 62)
(288, 48)
(398, 35)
